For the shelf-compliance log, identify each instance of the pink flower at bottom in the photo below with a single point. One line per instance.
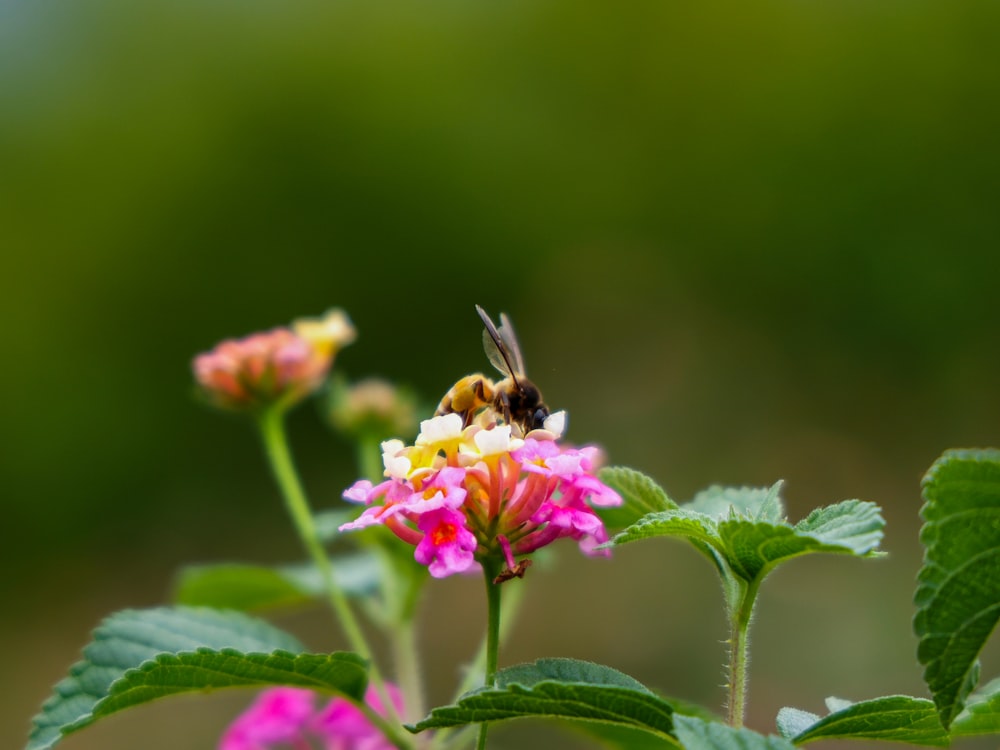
(287, 717)
(448, 546)
(276, 717)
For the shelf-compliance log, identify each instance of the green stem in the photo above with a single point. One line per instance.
(389, 730)
(491, 568)
(404, 650)
(513, 597)
(271, 424)
(739, 652)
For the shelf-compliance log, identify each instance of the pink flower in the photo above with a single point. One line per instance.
(288, 717)
(280, 365)
(462, 496)
(447, 546)
(278, 716)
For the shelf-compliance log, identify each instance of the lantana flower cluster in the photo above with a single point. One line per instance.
(461, 495)
(288, 717)
(282, 365)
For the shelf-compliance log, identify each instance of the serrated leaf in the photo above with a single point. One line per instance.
(753, 548)
(853, 524)
(640, 495)
(567, 670)
(981, 714)
(758, 503)
(696, 734)
(139, 655)
(205, 669)
(257, 588)
(958, 591)
(559, 688)
(679, 523)
(894, 718)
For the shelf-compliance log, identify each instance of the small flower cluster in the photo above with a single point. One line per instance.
(288, 717)
(278, 366)
(462, 495)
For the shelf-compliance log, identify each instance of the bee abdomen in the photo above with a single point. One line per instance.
(467, 396)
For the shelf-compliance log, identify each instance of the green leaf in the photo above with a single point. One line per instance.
(564, 689)
(139, 655)
(981, 714)
(958, 590)
(640, 495)
(753, 548)
(697, 734)
(852, 524)
(894, 718)
(680, 523)
(256, 588)
(754, 503)
(743, 528)
(205, 669)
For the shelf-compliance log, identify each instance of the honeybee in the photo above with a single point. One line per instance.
(515, 399)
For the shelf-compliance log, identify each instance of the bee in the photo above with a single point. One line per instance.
(515, 399)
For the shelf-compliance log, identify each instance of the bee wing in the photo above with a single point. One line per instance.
(495, 345)
(509, 339)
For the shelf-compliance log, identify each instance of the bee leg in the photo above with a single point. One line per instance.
(482, 395)
(505, 406)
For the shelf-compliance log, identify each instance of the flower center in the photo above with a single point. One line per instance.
(444, 533)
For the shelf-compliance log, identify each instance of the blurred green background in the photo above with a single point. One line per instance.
(740, 241)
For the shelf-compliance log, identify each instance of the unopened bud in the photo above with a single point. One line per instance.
(374, 408)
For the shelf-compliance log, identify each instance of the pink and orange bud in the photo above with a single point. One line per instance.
(260, 370)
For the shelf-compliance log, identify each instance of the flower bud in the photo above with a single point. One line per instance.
(260, 370)
(373, 408)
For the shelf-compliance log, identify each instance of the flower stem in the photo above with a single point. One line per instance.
(739, 652)
(491, 568)
(404, 649)
(271, 425)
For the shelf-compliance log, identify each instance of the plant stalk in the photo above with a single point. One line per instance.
(491, 568)
(739, 653)
(271, 425)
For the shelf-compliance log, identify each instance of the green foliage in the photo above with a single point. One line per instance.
(958, 591)
(894, 718)
(698, 734)
(257, 588)
(564, 689)
(140, 655)
(745, 528)
(640, 495)
(981, 714)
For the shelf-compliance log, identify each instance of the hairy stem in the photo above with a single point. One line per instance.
(739, 653)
